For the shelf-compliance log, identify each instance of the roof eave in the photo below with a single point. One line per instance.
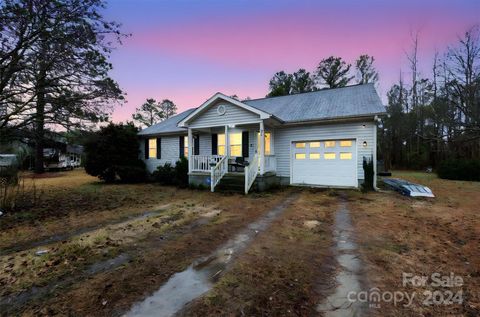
(335, 119)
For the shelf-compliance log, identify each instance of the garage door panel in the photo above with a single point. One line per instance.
(324, 162)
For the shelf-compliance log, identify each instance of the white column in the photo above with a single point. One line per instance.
(374, 155)
(262, 148)
(190, 150)
(227, 143)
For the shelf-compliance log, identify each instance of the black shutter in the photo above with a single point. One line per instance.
(159, 148)
(245, 143)
(181, 146)
(196, 145)
(146, 149)
(214, 144)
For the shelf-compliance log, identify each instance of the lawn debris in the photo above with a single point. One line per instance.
(41, 252)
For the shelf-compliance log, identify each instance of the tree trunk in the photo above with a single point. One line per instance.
(40, 125)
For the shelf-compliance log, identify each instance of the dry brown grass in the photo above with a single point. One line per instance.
(73, 200)
(421, 236)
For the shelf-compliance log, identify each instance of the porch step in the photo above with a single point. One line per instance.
(231, 183)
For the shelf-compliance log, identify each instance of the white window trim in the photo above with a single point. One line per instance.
(228, 150)
(230, 143)
(150, 148)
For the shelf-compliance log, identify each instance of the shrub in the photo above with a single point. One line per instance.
(132, 174)
(459, 169)
(173, 175)
(369, 174)
(113, 152)
(164, 174)
(181, 173)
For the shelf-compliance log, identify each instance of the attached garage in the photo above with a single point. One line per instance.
(324, 162)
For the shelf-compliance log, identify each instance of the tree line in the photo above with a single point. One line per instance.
(331, 72)
(435, 117)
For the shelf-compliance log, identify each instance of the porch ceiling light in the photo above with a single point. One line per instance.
(364, 143)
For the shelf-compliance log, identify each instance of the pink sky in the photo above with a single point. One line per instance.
(186, 51)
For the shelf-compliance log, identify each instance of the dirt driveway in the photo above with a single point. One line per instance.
(104, 248)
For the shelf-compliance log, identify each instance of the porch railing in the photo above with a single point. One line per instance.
(201, 163)
(251, 172)
(217, 172)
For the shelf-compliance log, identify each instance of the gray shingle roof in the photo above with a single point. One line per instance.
(351, 101)
(167, 126)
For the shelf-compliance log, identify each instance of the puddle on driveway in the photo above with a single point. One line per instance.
(200, 277)
(348, 276)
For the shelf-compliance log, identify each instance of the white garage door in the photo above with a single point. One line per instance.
(324, 162)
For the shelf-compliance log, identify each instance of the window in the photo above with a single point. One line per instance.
(235, 144)
(345, 143)
(221, 144)
(299, 145)
(314, 144)
(314, 156)
(268, 143)
(152, 148)
(300, 156)
(329, 143)
(185, 146)
(329, 156)
(346, 156)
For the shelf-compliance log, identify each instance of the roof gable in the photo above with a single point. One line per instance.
(213, 101)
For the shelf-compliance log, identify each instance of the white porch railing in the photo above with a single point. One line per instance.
(251, 172)
(217, 172)
(201, 163)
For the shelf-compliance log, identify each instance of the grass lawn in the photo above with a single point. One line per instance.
(110, 246)
(421, 236)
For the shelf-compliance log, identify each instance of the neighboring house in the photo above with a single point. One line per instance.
(316, 138)
(57, 152)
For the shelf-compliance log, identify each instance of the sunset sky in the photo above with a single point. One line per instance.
(188, 50)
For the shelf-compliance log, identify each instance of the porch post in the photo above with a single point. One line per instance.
(227, 144)
(190, 150)
(262, 148)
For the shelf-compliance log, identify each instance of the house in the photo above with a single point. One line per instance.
(316, 138)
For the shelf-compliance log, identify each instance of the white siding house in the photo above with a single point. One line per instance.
(318, 138)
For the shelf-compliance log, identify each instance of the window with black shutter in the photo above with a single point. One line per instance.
(245, 144)
(214, 144)
(159, 148)
(181, 146)
(145, 148)
(196, 145)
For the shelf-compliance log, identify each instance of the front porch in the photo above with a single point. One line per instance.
(244, 151)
